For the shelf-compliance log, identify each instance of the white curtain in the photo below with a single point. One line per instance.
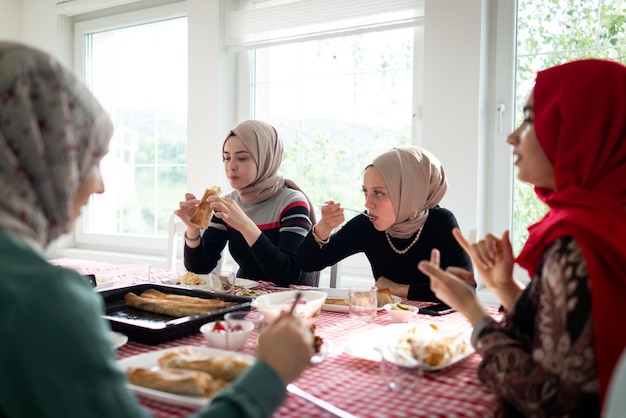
(257, 23)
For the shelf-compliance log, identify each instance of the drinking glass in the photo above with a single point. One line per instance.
(222, 281)
(401, 366)
(363, 303)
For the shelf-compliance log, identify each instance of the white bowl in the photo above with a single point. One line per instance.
(236, 340)
(400, 315)
(272, 304)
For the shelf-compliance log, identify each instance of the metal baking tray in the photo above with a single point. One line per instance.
(152, 328)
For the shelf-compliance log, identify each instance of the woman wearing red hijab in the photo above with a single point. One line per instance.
(555, 350)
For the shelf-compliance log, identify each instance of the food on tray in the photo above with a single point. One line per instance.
(155, 301)
(225, 367)
(191, 279)
(384, 297)
(336, 301)
(178, 381)
(204, 213)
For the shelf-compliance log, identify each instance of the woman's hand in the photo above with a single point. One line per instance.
(187, 208)
(332, 217)
(397, 289)
(451, 289)
(229, 211)
(493, 259)
(286, 346)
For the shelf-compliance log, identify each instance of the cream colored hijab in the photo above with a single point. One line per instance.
(52, 132)
(266, 148)
(416, 182)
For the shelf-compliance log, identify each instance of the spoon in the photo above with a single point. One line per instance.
(358, 211)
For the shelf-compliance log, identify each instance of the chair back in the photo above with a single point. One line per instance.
(176, 229)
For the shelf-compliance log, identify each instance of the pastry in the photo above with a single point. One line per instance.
(178, 381)
(384, 297)
(204, 213)
(174, 305)
(225, 367)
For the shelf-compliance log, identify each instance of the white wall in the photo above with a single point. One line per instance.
(454, 54)
(11, 20)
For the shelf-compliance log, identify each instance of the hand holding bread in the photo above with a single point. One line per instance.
(204, 213)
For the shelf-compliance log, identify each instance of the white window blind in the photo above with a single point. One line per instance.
(256, 24)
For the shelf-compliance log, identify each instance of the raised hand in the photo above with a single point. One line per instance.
(454, 291)
(493, 259)
(332, 217)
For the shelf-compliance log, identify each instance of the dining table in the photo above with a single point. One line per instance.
(342, 380)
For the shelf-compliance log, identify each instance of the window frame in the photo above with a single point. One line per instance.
(112, 242)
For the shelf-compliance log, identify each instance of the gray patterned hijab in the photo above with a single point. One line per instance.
(52, 132)
(416, 182)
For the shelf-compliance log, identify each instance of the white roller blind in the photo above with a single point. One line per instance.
(257, 23)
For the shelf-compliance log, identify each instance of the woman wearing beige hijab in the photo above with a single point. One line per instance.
(264, 219)
(402, 224)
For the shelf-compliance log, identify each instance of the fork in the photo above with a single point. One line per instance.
(357, 211)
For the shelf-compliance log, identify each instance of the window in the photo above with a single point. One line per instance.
(336, 80)
(550, 33)
(136, 65)
(336, 104)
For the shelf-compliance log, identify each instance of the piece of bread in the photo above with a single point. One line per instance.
(384, 297)
(204, 213)
(336, 301)
(226, 367)
(174, 305)
(178, 381)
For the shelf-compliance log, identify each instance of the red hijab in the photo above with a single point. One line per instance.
(580, 121)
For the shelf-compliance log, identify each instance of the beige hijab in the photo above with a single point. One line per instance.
(266, 148)
(416, 182)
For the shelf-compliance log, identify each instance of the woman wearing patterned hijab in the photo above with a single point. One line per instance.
(555, 351)
(56, 355)
(403, 222)
(264, 219)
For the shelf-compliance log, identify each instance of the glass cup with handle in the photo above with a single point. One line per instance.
(363, 303)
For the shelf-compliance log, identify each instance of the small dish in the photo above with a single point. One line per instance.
(118, 339)
(235, 340)
(325, 348)
(400, 312)
(250, 293)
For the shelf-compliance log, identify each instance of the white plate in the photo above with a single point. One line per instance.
(250, 293)
(118, 339)
(343, 293)
(104, 282)
(150, 360)
(238, 282)
(366, 344)
(245, 283)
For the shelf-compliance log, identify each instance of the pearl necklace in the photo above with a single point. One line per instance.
(401, 252)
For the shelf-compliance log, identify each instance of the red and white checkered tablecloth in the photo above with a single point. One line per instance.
(349, 383)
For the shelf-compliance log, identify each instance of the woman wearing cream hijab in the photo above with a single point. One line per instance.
(403, 188)
(264, 219)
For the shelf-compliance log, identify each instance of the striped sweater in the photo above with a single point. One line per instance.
(284, 222)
